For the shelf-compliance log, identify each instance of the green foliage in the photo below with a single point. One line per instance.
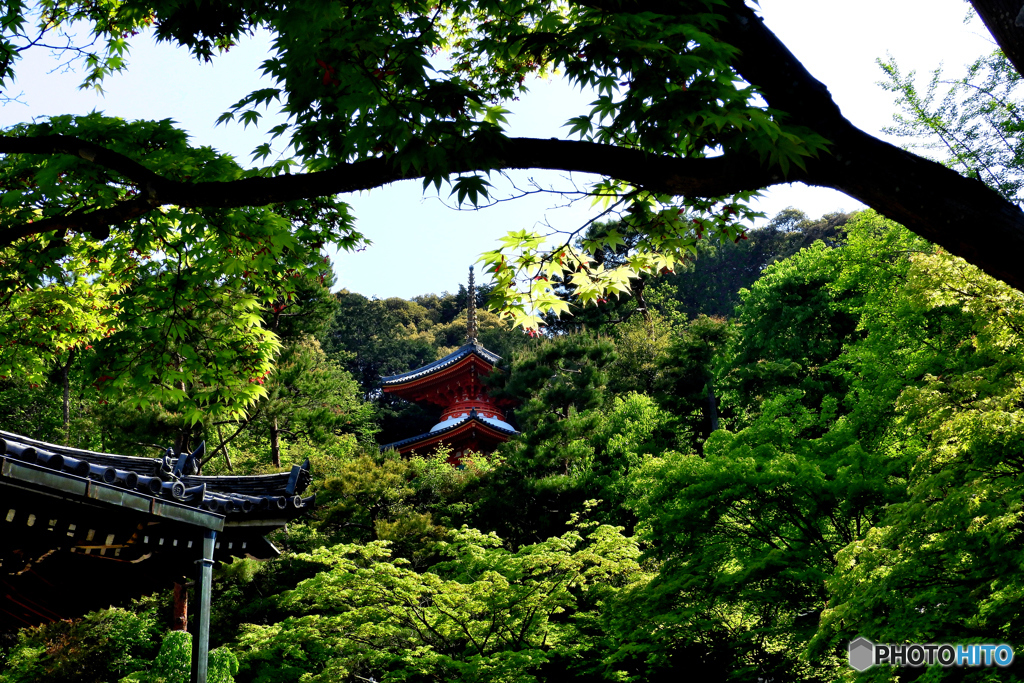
(369, 337)
(869, 480)
(975, 126)
(105, 645)
(690, 375)
(708, 282)
(711, 283)
(946, 559)
(791, 324)
(169, 304)
(37, 24)
(408, 502)
(746, 535)
(864, 480)
(173, 663)
(363, 491)
(452, 494)
(484, 613)
(310, 398)
(29, 408)
(640, 344)
(432, 325)
(548, 474)
(307, 310)
(563, 376)
(368, 90)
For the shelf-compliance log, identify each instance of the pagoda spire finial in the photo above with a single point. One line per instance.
(471, 311)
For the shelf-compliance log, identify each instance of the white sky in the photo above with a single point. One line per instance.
(419, 244)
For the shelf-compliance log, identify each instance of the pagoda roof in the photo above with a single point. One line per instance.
(455, 427)
(472, 348)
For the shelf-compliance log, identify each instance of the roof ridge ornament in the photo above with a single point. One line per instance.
(188, 463)
(471, 311)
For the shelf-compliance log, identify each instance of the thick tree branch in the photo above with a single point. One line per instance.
(72, 146)
(961, 214)
(96, 222)
(958, 213)
(695, 177)
(1005, 21)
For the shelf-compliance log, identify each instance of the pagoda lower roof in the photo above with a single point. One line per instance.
(455, 428)
(472, 348)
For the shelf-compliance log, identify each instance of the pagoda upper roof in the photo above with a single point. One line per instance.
(472, 348)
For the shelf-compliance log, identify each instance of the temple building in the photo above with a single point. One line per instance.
(472, 420)
(83, 530)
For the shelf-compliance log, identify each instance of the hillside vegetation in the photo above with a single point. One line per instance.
(804, 437)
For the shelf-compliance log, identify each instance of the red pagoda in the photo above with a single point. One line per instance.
(472, 420)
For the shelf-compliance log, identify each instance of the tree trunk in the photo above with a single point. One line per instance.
(181, 440)
(712, 408)
(223, 445)
(67, 406)
(65, 380)
(275, 443)
(179, 620)
(639, 287)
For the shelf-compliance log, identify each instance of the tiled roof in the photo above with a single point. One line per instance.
(122, 526)
(473, 347)
(166, 479)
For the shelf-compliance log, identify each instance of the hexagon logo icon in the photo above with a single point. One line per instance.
(862, 653)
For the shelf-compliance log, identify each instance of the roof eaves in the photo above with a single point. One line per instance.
(75, 485)
(141, 483)
(445, 430)
(441, 363)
